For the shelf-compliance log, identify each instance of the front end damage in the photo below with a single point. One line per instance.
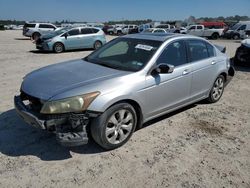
(70, 128)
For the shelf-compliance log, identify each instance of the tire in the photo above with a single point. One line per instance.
(217, 90)
(215, 36)
(119, 32)
(97, 44)
(111, 33)
(236, 37)
(58, 47)
(35, 36)
(108, 128)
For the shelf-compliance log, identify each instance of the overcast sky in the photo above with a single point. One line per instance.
(104, 10)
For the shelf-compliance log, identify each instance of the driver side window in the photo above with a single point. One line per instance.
(73, 32)
(174, 54)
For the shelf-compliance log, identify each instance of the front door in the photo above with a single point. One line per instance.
(168, 91)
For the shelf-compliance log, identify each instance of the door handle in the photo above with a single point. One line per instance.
(185, 72)
(213, 62)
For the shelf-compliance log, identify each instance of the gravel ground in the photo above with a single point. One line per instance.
(199, 146)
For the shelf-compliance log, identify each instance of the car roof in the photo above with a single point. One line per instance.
(154, 36)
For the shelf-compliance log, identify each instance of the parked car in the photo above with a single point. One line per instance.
(238, 31)
(115, 89)
(154, 30)
(165, 26)
(130, 29)
(242, 55)
(35, 30)
(108, 29)
(201, 31)
(144, 27)
(71, 39)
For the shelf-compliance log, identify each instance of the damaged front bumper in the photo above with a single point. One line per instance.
(70, 128)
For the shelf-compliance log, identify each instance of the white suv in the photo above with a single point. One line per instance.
(35, 30)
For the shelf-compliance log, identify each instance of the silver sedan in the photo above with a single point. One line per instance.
(122, 85)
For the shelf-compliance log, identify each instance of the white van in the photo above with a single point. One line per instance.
(239, 30)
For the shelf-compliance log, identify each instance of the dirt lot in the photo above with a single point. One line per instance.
(199, 146)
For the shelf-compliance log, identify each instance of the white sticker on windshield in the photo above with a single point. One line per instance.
(144, 47)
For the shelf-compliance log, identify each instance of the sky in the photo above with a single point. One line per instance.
(107, 10)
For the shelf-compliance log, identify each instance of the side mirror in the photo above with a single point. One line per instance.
(163, 69)
(65, 35)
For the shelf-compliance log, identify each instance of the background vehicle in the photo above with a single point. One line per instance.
(242, 55)
(35, 30)
(143, 27)
(239, 30)
(129, 29)
(154, 30)
(129, 81)
(201, 31)
(71, 39)
(165, 26)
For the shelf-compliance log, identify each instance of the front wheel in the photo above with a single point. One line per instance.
(217, 90)
(58, 47)
(115, 126)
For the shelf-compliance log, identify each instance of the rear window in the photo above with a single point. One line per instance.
(47, 26)
(95, 30)
(197, 50)
(86, 31)
(210, 49)
(29, 25)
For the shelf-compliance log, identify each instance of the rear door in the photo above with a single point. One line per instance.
(87, 38)
(204, 67)
(168, 91)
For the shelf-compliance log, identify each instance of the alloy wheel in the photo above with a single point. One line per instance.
(119, 126)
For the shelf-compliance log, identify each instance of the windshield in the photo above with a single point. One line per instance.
(61, 31)
(235, 26)
(125, 54)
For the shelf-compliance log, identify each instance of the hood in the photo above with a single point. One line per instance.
(48, 36)
(55, 79)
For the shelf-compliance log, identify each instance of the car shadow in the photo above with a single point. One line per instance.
(242, 68)
(19, 139)
(68, 51)
(166, 116)
(22, 38)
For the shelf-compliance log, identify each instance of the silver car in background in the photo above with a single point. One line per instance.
(120, 86)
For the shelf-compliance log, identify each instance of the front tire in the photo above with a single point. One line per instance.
(115, 126)
(58, 47)
(217, 90)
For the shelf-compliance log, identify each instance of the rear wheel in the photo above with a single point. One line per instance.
(115, 126)
(58, 47)
(97, 44)
(215, 36)
(217, 90)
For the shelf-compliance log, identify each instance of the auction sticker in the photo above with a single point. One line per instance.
(144, 47)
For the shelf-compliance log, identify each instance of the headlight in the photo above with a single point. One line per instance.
(72, 104)
(48, 40)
